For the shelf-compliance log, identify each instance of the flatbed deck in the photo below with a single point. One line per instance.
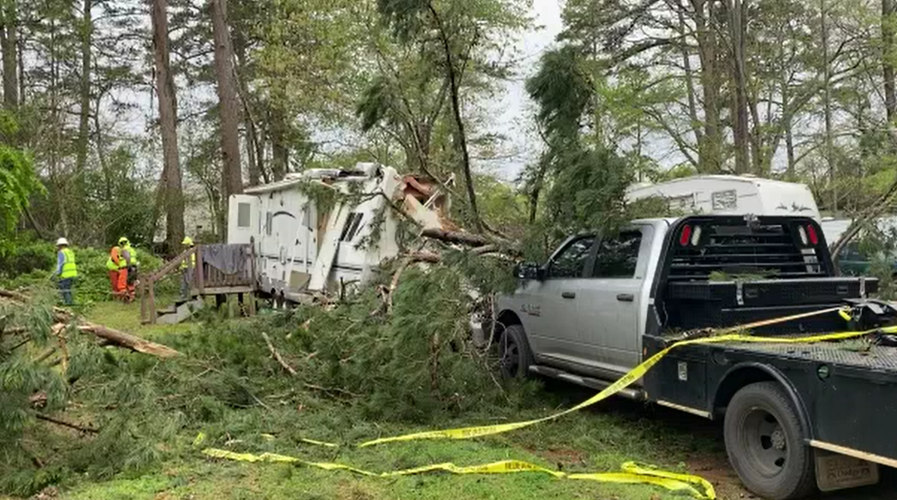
(846, 353)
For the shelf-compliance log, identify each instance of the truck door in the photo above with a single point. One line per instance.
(609, 301)
(548, 307)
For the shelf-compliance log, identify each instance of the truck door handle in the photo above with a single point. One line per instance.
(626, 297)
(568, 295)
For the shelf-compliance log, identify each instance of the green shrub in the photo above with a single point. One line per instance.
(32, 264)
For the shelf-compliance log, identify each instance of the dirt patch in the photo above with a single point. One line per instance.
(561, 456)
(716, 469)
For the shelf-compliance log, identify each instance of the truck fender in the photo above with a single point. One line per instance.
(506, 318)
(746, 373)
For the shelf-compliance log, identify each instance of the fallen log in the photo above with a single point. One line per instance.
(108, 335)
(122, 339)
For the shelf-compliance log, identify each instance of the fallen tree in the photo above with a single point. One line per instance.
(108, 336)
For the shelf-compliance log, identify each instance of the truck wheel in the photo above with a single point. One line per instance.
(515, 354)
(765, 443)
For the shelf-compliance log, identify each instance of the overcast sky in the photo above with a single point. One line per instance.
(513, 108)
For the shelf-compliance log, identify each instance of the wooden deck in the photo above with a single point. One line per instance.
(206, 280)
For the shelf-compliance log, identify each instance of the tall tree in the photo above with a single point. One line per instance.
(228, 104)
(9, 44)
(888, 54)
(86, 35)
(171, 195)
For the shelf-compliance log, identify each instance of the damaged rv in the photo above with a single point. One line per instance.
(327, 230)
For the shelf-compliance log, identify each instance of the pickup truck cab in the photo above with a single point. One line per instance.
(797, 416)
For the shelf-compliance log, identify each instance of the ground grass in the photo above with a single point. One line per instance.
(595, 440)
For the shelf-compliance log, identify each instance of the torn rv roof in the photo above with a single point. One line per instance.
(360, 172)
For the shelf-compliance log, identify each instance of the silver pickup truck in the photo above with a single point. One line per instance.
(797, 417)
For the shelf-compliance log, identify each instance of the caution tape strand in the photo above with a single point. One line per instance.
(630, 473)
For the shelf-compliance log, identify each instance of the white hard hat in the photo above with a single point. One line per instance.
(62, 242)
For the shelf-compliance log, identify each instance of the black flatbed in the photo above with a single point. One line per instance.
(846, 354)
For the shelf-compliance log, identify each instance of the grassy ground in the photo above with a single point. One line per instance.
(598, 439)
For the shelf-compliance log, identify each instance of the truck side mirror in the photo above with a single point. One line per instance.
(529, 271)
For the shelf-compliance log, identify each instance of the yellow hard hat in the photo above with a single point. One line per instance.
(123, 240)
(187, 241)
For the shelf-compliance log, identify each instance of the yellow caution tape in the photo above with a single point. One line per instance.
(631, 473)
(624, 381)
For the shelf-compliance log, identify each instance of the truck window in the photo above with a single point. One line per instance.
(618, 256)
(571, 262)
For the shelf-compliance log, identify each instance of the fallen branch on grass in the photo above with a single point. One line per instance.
(47, 418)
(276, 355)
(122, 339)
(108, 335)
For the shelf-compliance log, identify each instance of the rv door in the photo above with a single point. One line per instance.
(243, 218)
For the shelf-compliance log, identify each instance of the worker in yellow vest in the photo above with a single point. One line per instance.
(187, 267)
(66, 270)
(128, 284)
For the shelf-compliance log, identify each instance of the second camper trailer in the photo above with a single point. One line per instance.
(729, 194)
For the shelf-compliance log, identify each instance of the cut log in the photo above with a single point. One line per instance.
(128, 341)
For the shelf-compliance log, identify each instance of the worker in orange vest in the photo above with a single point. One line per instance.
(113, 265)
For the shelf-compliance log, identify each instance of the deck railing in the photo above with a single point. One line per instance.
(206, 279)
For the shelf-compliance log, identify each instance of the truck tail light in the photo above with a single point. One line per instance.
(685, 237)
(696, 236)
(803, 235)
(811, 233)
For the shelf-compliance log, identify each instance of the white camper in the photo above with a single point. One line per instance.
(304, 248)
(729, 194)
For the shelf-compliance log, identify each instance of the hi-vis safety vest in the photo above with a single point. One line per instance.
(192, 262)
(130, 250)
(69, 267)
(113, 263)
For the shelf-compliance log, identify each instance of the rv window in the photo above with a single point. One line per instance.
(724, 200)
(269, 221)
(243, 211)
(353, 224)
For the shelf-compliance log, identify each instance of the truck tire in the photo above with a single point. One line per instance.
(515, 354)
(766, 445)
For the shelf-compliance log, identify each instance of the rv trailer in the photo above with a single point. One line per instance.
(731, 195)
(304, 247)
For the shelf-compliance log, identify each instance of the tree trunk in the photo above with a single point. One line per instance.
(228, 104)
(171, 194)
(9, 44)
(461, 136)
(791, 169)
(252, 153)
(280, 160)
(710, 148)
(739, 106)
(827, 105)
(887, 42)
(84, 112)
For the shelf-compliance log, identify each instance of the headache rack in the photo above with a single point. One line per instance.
(708, 249)
(725, 271)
